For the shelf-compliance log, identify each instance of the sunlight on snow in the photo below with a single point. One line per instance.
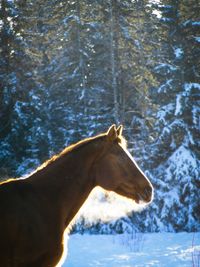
(156, 250)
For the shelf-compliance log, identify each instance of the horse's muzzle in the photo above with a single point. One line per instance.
(145, 195)
(148, 194)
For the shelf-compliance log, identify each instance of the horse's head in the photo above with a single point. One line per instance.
(116, 170)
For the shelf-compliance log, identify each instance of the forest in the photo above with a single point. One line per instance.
(70, 69)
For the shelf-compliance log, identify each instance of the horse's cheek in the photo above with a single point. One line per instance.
(105, 178)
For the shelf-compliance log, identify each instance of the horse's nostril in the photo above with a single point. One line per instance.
(148, 191)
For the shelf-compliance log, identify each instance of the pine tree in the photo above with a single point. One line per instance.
(12, 63)
(177, 163)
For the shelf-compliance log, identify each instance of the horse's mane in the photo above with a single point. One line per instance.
(120, 139)
(69, 149)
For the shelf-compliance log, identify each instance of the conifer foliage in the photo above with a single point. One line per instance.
(69, 69)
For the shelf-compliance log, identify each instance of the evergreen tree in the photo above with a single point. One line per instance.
(68, 69)
(177, 168)
(13, 63)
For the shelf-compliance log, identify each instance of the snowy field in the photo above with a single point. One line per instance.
(138, 250)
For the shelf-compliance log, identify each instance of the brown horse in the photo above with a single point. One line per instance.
(36, 211)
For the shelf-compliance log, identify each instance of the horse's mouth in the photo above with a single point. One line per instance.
(145, 196)
(139, 196)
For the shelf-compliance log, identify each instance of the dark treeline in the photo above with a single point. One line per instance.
(69, 69)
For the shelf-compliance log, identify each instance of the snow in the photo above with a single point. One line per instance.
(126, 32)
(164, 112)
(197, 39)
(166, 66)
(138, 250)
(163, 87)
(18, 109)
(1, 23)
(166, 19)
(69, 18)
(189, 86)
(179, 173)
(196, 23)
(154, 1)
(157, 13)
(196, 114)
(183, 158)
(178, 52)
(190, 22)
(178, 105)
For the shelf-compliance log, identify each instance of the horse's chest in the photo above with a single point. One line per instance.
(43, 250)
(37, 238)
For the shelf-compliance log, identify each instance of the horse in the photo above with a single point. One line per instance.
(36, 211)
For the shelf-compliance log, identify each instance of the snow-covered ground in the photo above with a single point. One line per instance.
(137, 250)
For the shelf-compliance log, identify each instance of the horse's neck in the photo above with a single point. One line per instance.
(67, 182)
(78, 186)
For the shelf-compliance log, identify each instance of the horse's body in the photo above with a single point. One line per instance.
(35, 212)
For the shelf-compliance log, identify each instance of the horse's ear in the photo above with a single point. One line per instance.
(112, 133)
(119, 130)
